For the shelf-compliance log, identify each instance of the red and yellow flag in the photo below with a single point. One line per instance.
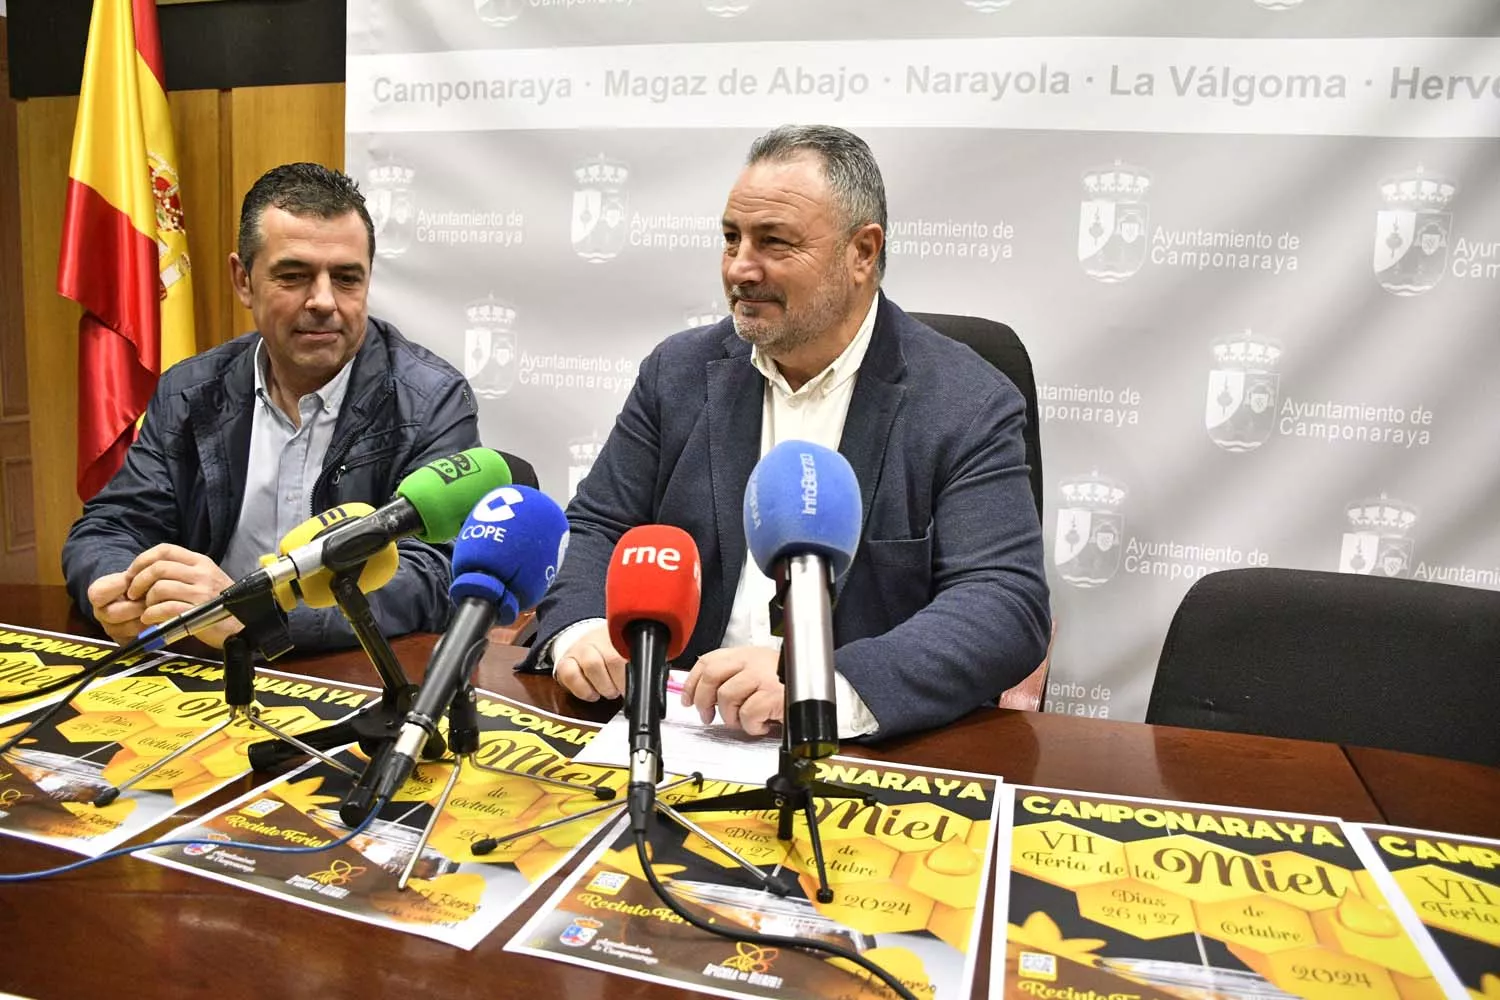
(124, 249)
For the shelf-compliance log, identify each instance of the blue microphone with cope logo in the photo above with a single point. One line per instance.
(506, 556)
(508, 551)
(802, 522)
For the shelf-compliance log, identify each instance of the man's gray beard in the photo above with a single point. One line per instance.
(798, 331)
(780, 337)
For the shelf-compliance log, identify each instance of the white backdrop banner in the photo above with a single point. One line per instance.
(1253, 247)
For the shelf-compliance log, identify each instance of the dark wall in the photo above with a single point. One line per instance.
(207, 46)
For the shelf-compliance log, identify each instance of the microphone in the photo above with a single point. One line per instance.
(314, 590)
(651, 594)
(430, 503)
(506, 556)
(802, 520)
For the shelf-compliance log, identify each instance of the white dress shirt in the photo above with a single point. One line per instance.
(814, 412)
(285, 461)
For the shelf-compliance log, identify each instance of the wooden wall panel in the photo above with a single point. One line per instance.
(17, 509)
(225, 140)
(275, 125)
(200, 123)
(45, 133)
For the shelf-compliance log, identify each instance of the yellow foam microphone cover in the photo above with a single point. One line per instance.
(315, 588)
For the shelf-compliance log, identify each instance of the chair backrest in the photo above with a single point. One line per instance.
(521, 471)
(1373, 661)
(999, 345)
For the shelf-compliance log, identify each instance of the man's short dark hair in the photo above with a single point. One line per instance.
(853, 175)
(303, 189)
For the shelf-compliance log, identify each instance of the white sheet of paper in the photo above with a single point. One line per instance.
(687, 745)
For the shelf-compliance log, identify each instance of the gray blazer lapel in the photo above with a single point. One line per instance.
(872, 408)
(736, 396)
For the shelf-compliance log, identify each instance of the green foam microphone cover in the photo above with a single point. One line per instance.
(444, 491)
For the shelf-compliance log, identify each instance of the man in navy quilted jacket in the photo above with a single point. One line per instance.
(323, 404)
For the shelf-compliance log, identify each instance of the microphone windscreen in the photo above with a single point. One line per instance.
(653, 576)
(516, 536)
(314, 588)
(487, 589)
(802, 499)
(444, 491)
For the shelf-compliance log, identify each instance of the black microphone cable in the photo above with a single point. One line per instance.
(753, 937)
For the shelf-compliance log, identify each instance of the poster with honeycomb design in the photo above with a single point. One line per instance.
(1448, 886)
(121, 726)
(1142, 898)
(33, 659)
(908, 872)
(520, 789)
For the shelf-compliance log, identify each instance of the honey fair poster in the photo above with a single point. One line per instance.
(1452, 886)
(453, 895)
(30, 659)
(1121, 897)
(118, 727)
(908, 873)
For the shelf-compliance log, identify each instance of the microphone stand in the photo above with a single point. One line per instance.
(488, 844)
(792, 789)
(463, 741)
(376, 725)
(265, 636)
(795, 785)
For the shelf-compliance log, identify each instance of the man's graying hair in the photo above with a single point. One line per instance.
(302, 189)
(850, 167)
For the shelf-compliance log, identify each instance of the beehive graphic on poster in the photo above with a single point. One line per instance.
(908, 871)
(33, 659)
(1451, 887)
(120, 727)
(538, 813)
(1164, 899)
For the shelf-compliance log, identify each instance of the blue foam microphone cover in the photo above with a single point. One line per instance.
(514, 538)
(486, 588)
(802, 499)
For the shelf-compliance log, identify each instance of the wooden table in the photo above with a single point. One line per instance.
(131, 928)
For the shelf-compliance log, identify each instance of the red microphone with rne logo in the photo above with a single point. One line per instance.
(651, 595)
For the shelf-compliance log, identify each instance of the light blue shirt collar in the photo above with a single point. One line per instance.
(330, 396)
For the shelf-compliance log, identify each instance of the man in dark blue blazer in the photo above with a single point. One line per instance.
(945, 605)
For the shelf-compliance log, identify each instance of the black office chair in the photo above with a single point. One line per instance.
(521, 471)
(1366, 660)
(999, 345)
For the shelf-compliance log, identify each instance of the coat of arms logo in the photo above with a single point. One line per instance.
(1411, 232)
(1240, 412)
(1090, 536)
(491, 351)
(600, 209)
(388, 197)
(1377, 543)
(1114, 222)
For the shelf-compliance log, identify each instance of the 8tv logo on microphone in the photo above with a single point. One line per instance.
(455, 467)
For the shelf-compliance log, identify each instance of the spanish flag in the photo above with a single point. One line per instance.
(124, 248)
